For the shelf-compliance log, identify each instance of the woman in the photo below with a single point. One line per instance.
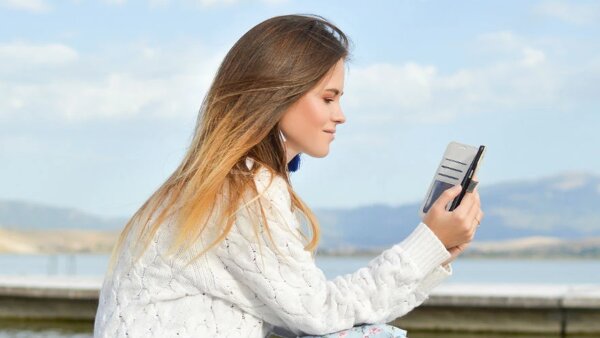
(218, 251)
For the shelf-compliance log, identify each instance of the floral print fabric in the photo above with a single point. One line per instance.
(367, 330)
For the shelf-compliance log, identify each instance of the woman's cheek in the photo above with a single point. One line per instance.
(318, 114)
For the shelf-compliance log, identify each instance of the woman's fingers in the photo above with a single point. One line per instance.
(476, 206)
(477, 201)
(470, 210)
(466, 204)
(472, 197)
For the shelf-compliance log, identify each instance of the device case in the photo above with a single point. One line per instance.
(453, 168)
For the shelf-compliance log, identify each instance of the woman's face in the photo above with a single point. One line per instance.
(308, 123)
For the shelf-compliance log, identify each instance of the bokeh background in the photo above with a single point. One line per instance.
(99, 98)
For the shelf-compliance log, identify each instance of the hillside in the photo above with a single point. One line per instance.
(56, 241)
(564, 206)
(556, 215)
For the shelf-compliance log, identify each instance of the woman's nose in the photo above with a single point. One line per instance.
(339, 116)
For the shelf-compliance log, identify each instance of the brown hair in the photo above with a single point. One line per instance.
(268, 69)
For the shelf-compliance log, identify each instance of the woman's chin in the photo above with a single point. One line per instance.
(319, 153)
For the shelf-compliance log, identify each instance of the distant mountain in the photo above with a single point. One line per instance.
(53, 241)
(537, 247)
(20, 215)
(565, 206)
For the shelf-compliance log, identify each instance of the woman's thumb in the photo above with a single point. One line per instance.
(448, 195)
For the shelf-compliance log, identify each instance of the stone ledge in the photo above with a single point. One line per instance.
(496, 308)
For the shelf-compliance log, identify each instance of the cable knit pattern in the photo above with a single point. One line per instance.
(233, 291)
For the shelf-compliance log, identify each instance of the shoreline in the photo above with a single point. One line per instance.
(362, 254)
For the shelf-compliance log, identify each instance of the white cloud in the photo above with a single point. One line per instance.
(532, 56)
(20, 54)
(570, 12)
(171, 80)
(26, 5)
(155, 81)
(522, 78)
(510, 46)
(410, 83)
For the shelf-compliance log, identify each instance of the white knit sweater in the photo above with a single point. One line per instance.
(230, 293)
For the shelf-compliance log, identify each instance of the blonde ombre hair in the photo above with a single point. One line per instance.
(268, 69)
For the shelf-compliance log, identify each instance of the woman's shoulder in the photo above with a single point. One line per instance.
(264, 175)
(268, 182)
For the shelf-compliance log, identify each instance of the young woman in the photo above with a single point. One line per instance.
(218, 250)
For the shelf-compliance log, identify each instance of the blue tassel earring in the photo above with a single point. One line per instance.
(294, 164)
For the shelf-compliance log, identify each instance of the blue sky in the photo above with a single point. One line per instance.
(99, 98)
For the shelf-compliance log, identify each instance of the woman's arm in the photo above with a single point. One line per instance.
(296, 292)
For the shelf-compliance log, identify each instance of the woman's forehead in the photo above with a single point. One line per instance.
(333, 80)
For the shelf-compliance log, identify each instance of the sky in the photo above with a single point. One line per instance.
(98, 99)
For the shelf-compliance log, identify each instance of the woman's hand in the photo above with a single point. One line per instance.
(455, 252)
(457, 227)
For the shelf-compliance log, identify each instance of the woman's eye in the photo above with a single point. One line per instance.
(328, 100)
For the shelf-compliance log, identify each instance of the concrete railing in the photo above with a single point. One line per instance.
(547, 310)
(43, 297)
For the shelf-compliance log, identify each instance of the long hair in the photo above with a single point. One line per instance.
(268, 69)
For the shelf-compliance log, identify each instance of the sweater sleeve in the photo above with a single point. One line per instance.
(298, 296)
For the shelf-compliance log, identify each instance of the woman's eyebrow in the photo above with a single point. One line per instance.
(335, 91)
